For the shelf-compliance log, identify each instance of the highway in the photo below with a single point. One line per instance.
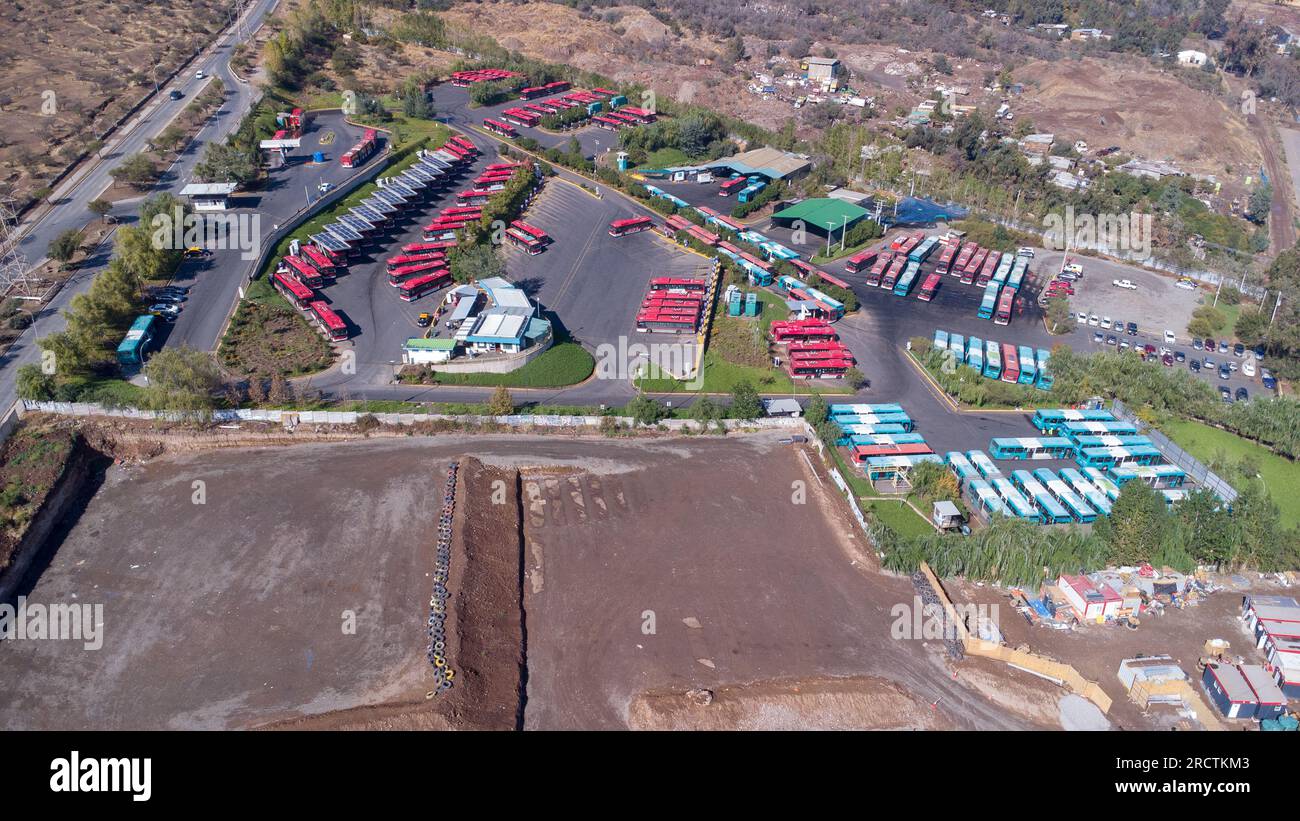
(71, 212)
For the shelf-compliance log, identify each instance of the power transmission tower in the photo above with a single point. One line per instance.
(14, 278)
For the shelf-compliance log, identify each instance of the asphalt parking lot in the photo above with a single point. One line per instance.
(1156, 305)
(594, 141)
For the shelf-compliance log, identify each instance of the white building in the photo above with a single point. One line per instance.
(1192, 57)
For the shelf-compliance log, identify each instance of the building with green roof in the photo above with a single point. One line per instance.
(822, 215)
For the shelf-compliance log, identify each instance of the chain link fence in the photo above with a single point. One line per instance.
(1195, 470)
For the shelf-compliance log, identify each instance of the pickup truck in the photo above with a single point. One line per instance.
(1124, 283)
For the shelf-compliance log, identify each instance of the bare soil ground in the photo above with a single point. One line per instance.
(1149, 114)
(92, 62)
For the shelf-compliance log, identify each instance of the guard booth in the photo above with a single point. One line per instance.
(209, 196)
(279, 146)
(947, 516)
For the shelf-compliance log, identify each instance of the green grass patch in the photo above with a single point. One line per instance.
(1280, 475)
(899, 516)
(665, 158)
(836, 253)
(566, 363)
(265, 339)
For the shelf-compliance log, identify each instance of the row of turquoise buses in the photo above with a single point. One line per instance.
(1009, 363)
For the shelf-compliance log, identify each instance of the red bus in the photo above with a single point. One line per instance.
(413, 289)
(403, 260)
(1010, 363)
(878, 270)
(1002, 314)
(677, 284)
(626, 119)
(519, 116)
(607, 123)
(319, 259)
(818, 369)
(813, 347)
(557, 86)
(531, 245)
(424, 247)
(536, 233)
(420, 269)
(860, 262)
(836, 281)
(733, 185)
(466, 198)
(972, 268)
(930, 287)
(706, 237)
(293, 290)
(802, 329)
(303, 272)
(986, 270)
(963, 259)
(621, 228)
(532, 92)
(640, 114)
(359, 153)
(947, 255)
(895, 268)
(468, 213)
(499, 128)
(463, 143)
(439, 233)
(910, 243)
(675, 223)
(331, 323)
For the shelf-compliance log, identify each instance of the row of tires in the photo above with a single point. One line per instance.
(443, 675)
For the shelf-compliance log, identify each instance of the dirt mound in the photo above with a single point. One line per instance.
(856, 703)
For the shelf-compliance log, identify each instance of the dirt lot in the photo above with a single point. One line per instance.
(228, 613)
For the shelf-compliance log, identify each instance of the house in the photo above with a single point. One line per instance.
(1088, 34)
(1059, 29)
(782, 407)
(418, 351)
(1068, 181)
(946, 515)
(821, 70)
(1061, 163)
(1148, 168)
(1037, 144)
(1192, 57)
(1089, 602)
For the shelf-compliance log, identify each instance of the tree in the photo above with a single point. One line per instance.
(645, 410)
(817, 411)
(65, 245)
(856, 379)
(137, 171)
(223, 162)
(501, 403)
(735, 51)
(705, 410)
(745, 402)
(1261, 202)
(33, 383)
(1136, 524)
(1058, 314)
(181, 379)
(99, 207)
(476, 263)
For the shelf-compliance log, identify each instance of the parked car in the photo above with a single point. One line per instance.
(1169, 337)
(1195, 365)
(424, 320)
(1226, 393)
(1111, 340)
(1259, 352)
(1248, 367)
(1208, 363)
(170, 297)
(1239, 350)
(1025, 252)
(1098, 338)
(1167, 360)
(1150, 350)
(1081, 318)
(1224, 371)
(1198, 345)
(1126, 284)
(1105, 322)
(174, 94)
(165, 311)
(1094, 320)
(1132, 329)
(1185, 284)
(1270, 383)
(199, 75)
(1242, 394)
(1223, 346)
(1179, 356)
(1209, 345)
(1232, 366)
(1073, 268)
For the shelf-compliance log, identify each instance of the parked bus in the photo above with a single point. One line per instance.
(1090, 492)
(519, 116)
(1044, 374)
(733, 185)
(679, 284)
(499, 128)
(975, 353)
(1010, 364)
(1002, 314)
(908, 278)
(1098, 427)
(413, 289)
(957, 348)
(930, 287)
(1020, 506)
(1031, 447)
(1003, 269)
(987, 500)
(973, 267)
(403, 260)
(892, 273)
(985, 275)
(861, 261)
(1107, 441)
(815, 369)
(877, 270)
(1050, 420)
(632, 225)
(416, 270)
(534, 232)
(860, 408)
(479, 198)
(1107, 457)
(320, 260)
(706, 237)
(992, 360)
(1028, 369)
(1017, 274)
(426, 247)
(922, 251)
(299, 295)
(946, 256)
(1156, 476)
(960, 466)
(530, 245)
(1050, 510)
(1103, 483)
(330, 323)
(984, 464)
(989, 302)
(940, 340)
(963, 259)
(131, 350)
(823, 276)
(303, 272)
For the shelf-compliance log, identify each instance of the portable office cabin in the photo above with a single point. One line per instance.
(1089, 602)
(1229, 691)
(1270, 702)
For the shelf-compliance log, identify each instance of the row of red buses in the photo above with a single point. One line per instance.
(413, 289)
(518, 116)
(623, 118)
(641, 115)
(878, 270)
(897, 243)
(607, 123)
(632, 225)
(861, 261)
(405, 273)
(530, 245)
(732, 186)
(499, 128)
(707, 237)
(946, 256)
(332, 324)
(528, 230)
(304, 272)
(678, 284)
(675, 223)
(462, 79)
(802, 330)
(403, 260)
(357, 155)
(1010, 363)
(1002, 314)
(930, 287)
(293, 290)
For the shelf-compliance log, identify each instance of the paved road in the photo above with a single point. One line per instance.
(73, 213)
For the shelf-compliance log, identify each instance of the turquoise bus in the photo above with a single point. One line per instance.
(1017, 275)
(983, 464)
(1113, 457)
(859, 408)
(1031, 447)
(1028, 371)
(987, 500)
(960, 465)
(1073, 429)
(131, 350)
(1157, 476)
(1050, 420)
(1050, 510)
(941, 340)
(874, 419)
(1173, 496)
(855, 429)
(992, 360)
(1081, 442)
(922, 252)
(907, 279)
(975, 353)
(887, 467)
(1004, 268)
(1087, 490)
(957, 347)
(1078, 508)
(990, 300)
(1015, 500)
(1044, 374)
(1103, 483)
